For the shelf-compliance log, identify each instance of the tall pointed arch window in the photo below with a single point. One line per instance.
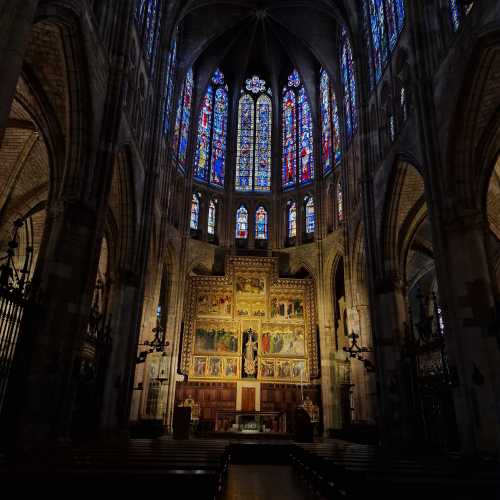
(195, 211)
(348, 77)
(170, 70)
(210, 156)
(310, 214)
(331, 151)
(455, 14)
(253, 157)
(291, 216)
(298, 164)
(261, 224)
(147, 17)
(212, 214)
(182, 119)
(242, 223)
(383, 22)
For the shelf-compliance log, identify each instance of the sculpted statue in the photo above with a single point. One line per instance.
(250, 365)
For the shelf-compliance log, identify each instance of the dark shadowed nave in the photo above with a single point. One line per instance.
(245, 234)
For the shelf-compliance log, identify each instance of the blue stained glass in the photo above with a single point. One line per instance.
(170, 78)
(310, 215)
(289, 172)
(182, 117)
(306, 149)
(187, 100)
(292, 219)
(255, 85)
(195, 211)
(204, 133)
(326, 122)
(367, 36)
(219, 138)
(218, 77)
(337, 145)
(348, 74)
(263, 144)
(150, 31)
(294, 79)
(347, 101)
(242, 223)
(401, 13)
(392, 25)
(244, 158)
(261, 224)
(455, 14)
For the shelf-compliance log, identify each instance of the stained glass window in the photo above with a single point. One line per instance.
(306, 151)
(182, 118)
(212, 212)
(253, 158)
(298, 150)
(310, 215)
(195, 211)
(219, 138)
(331, 152)
(348, 74)
(289, 139)
(292, 219)
(255, 85)
(455, 14)
(261, 224)
(326, 122)
(147, 17)
(242, 223)
(340, 203)
(294, 79)
(244, 157)
(210, 156)
(263, 144)
(169, 83)
(383, 22)
(400, 13)
(218, 77)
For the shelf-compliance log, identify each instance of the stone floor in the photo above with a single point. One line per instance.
(264, 482)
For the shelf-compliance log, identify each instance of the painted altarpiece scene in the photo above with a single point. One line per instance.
(250, 324)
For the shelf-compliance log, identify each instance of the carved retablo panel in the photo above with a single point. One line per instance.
(250, 324)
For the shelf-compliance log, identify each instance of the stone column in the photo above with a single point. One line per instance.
(366, 403)
(125, 312)
(16, 21)
(40, 399)
(394, 404)
(471, 340)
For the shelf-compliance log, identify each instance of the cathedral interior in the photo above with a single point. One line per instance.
(252, 222)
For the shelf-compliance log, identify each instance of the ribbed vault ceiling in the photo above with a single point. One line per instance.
(267, 38)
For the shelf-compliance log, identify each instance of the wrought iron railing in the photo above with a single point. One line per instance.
(14, 290)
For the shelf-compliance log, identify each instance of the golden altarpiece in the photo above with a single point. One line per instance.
(249, 345)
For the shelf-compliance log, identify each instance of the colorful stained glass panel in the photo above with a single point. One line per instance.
(219, 138)
(204, 133)
(262, 176)
(261, 224)
(245, 152)
(326, 123)
(306, 149)
(289, 167)
(242, 223)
